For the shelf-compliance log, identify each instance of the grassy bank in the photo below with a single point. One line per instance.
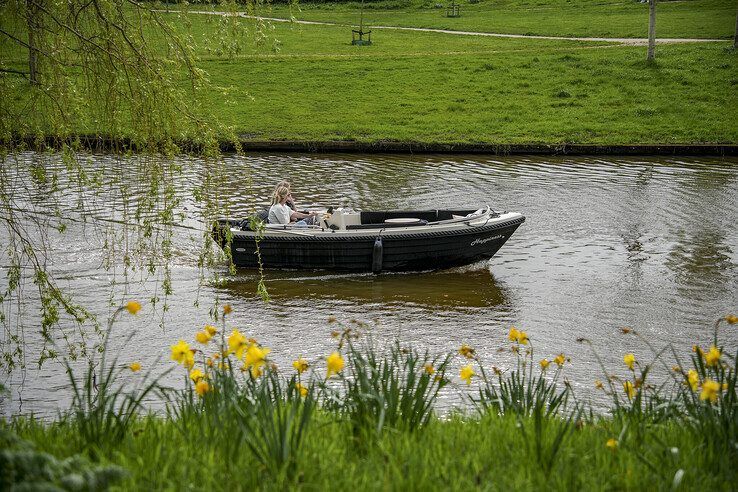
(364, 418)
(605, 18)
(304, 82)
(488, 452)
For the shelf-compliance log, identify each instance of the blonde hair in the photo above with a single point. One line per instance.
(280, 192)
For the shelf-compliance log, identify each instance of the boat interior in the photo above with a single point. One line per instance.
(349, 219)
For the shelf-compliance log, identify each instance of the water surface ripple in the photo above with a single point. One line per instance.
(648, 243)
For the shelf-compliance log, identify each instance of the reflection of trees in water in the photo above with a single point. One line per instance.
(702, 258)
(449, 290)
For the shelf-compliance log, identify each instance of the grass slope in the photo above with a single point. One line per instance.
(603, 18)
(307, 82)
(457, 454)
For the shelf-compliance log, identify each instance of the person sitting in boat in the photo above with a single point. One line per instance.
(281, 213)
(290, 202)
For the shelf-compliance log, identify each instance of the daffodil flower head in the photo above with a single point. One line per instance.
(710, 390)
(202, 387)
(181, 353)
(612, 443)
(712, 357)
(196, 375)
(255, 356)
(559, 360)
(237, 343)
(629, 389)
(211, 330)
(227, 309)
(544, 364)
(693, 380)
(599, 385)
(133, 307)
(300, 365)
(301, 389)
(466, 374)
(629, 360)
(731, 319)
(429, 369)
(513, 335)
(202, 337)
(334, 364)
(135, 367)
(466, 351)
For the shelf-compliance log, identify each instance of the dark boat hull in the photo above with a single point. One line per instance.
(398, 252)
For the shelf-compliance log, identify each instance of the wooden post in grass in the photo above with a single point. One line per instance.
(735, 38)
(651, 30)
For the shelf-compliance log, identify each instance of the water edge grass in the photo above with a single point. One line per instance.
(240, 422)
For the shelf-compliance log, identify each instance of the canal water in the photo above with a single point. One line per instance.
(645, 243)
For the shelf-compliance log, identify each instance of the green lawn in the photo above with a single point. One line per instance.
(457, 454)
(308, 82)
(608, 18)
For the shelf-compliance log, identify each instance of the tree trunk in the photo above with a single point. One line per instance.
(32, 12)
(651, 30)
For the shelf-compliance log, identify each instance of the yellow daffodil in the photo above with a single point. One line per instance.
(302, 389)
(209, 362)
(429, 369)
(629, 360)
(731, 319)
(202, 337)
(211, 330)
(612, 444)
(196, 375)
(523, 338)
(466, 374)
(133, 307)
(676, 368)
(693, 379)
(135, 367)
(466, 351)
(712, 357)
(544, 364)
(227, 309)
(255, 358)
(513, 334)
(237, 343)
(710, 390)
(202, 387)
(181, 353)
(599, 385)
(560, 359)
(332, 319)
(334, 364)
(300, 365)
(629, 389)
(697, 350)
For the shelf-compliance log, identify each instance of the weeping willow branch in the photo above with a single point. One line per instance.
(101, 67)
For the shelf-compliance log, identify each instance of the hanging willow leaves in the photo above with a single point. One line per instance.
(114, 75)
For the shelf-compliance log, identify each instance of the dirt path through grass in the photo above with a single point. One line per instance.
(623, 41)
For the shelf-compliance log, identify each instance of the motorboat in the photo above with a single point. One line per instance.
(370, 241)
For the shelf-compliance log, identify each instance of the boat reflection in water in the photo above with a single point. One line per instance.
(460, 289)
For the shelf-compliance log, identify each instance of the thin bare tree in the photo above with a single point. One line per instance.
(651, 30)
